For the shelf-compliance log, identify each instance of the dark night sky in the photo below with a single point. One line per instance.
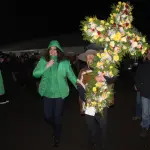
(23, 20)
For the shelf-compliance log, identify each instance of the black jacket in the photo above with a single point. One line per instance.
(142, 79)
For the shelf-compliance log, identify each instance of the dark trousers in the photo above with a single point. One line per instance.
(97, 128)
(53, 108)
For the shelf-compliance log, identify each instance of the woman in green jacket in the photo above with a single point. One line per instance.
(54, 71)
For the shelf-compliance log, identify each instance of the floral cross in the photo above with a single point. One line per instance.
(118, 37)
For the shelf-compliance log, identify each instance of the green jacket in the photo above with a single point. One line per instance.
(2, 90)
(64, 71)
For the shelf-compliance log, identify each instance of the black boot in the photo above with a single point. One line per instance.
(56, 141)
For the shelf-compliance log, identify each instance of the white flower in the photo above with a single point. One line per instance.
(112, 43)
(93, 25)
(112, 36)
(121, 29)
(100, 98)
(127, 20)
(107, 39)
(124, 47)
(134, 44)
(124, 39)
(104, 87)
(94, 33)
(116, 48)
(89, 32)
(100, 28)
(123, 16)
(124, 8)
(108, 57)
(131, 41)
(110, 32)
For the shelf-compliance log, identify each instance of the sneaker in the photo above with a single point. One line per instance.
(136, 118)
(144, 133)
(4, 102)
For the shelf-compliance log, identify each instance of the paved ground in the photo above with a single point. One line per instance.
(23, 128)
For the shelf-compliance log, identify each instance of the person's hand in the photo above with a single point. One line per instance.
(50, 63)
(100, 78)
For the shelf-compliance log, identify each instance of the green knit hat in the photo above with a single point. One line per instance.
(56, 44)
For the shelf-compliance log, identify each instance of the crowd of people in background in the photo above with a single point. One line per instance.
(18, 69)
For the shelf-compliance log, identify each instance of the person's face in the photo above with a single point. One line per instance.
(89, 58)
(53, 51)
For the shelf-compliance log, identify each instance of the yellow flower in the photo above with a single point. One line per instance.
(107, 61)
(110, 73)
(124, 3)
(99, 64)
(138, 38)
(99, 84)
(114, 14)
(99, 104)
(96, 37)
(102, 22)
(112, 21)
(117, 9)
(119, 3)
(112, 44)
(108, 93)
(144, 50)
(93, 103)
(129, 26)
(94, 89)
(116, 57)
(103, 54)
(85, 28)
(91, 19)
(104, 95)
(117, 36)
(107, 24)
(99, 55)
(122, 21)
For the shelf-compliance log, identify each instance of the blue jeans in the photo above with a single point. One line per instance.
(53, 108)
(138, 105)
(145, 113)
